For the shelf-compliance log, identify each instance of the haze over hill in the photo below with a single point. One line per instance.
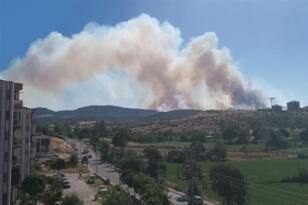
(109, 113)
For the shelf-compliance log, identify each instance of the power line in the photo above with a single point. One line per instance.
(284, 197)
(269, 187)
(287, 197)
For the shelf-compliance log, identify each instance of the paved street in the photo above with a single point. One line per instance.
(79, 187)
(107, 171)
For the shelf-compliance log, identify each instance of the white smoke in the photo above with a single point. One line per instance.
(171, 75)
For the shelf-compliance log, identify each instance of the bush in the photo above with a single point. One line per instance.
(85, 160)
(304, 136)
(175, 156)
(277, 142)
(302, 178)
(58, 164)
(33, 185)
(72, 199)
(73, 160)
(218, 152)
(229, 184)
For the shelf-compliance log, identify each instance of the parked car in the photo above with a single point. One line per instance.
(61, 174)
(102, 189)
(66, 184)
(57, 178)
(198, 200)
(91, 179)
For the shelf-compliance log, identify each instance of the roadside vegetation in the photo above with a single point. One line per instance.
(257, 165)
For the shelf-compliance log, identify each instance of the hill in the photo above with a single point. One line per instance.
(108, 113)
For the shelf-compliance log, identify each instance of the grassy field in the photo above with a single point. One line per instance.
(181, 145)
(262, 177)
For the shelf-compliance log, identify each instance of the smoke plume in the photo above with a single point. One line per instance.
(198, 74)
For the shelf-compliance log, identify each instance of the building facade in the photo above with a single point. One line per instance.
(293, 106)
(15, 140)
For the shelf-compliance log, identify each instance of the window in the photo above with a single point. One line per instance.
(7, 115)
(4, 198)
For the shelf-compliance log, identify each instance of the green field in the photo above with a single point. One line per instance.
(262, 177)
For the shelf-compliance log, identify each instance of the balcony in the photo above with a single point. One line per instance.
(18, 103)
(15, 175)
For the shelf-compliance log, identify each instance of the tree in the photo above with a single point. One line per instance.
(115, 196)
(72, 199)
(104, 150)
(73, 160)
(229, 134)
(175, 156)
(101, 130)
(154, 195)
(276, 142)
(229, 184)
(120, 138)
(94, 141)
(198, 150)
(243, 136)
(304, 136)
(58, 164)
(260, 134)
(218, 152)
(284, 132)
(53, 192)
(131, 163)
(85, 160)
(152, 153)
(33, 185)
(156, 167)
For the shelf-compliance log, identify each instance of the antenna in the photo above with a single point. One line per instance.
(272, 100)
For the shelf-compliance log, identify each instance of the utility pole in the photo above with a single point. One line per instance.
(190, 172)
(95, 159)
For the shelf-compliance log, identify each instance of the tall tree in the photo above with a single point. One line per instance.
(33, 185)
(120, 138)
(218, 152)
(229, 184)
(104, 150)
(304, 136)
(115, 196)
(156, 167)
(229, 134)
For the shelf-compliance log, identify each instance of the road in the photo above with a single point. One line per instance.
(79, 187)
(108, 171)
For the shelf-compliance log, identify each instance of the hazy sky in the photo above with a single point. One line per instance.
(267, 39)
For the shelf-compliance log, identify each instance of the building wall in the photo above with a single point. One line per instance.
(6, 132)
(15, 136)
(293, 106)
(22, 137)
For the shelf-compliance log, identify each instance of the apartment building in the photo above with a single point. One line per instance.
(15, 140)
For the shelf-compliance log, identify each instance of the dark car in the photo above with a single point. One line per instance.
(66, 184)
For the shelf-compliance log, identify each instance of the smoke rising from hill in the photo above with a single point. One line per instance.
(194, 75)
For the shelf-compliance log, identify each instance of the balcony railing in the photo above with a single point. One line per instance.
(18, 103)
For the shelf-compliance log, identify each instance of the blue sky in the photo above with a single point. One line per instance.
(268, 39)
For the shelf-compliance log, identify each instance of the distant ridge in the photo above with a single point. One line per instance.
(109, 113)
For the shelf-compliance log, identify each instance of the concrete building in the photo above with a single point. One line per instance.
(277, 108)
(42, 145)
(21, 155)
(15, 140)
(293, 106)
(51, 128)
(86, 124)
